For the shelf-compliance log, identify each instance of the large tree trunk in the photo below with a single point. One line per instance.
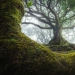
(57, 38)
(10, 18)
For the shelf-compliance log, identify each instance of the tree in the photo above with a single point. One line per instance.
(55, 14)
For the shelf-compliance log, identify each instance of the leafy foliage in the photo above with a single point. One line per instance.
(29, 3)
(71, 3)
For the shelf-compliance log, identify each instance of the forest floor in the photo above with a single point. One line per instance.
(62, 48)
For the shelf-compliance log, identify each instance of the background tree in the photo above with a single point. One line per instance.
(55, 14)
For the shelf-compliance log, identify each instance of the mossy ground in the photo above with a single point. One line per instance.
(62, 45)
(68, 47)
(19, 55)
(67, 59)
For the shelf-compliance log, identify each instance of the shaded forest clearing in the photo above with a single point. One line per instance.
(19, 55)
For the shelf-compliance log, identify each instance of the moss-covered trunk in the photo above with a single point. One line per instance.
(11, 12)
(57, 38)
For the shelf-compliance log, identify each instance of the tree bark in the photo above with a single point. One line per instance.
(57, 38)
(10, 18)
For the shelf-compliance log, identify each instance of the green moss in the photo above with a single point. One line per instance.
(67, 60)
(26, 57)
(63, 47)
(19, 55)
(10, 17)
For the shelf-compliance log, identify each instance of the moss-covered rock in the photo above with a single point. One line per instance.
(21, 56)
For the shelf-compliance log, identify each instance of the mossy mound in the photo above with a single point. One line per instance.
(21, 56)
(62, 45)
(67, 59)
(26, 57)
(60, 48)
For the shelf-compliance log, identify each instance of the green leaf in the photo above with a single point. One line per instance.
(29, 4)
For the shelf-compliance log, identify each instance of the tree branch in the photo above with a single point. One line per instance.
(44, 21)
(68, 18)
(36, 25)
(71, 27)
(47, 19)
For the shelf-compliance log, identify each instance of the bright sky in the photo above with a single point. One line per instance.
(31, 20)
